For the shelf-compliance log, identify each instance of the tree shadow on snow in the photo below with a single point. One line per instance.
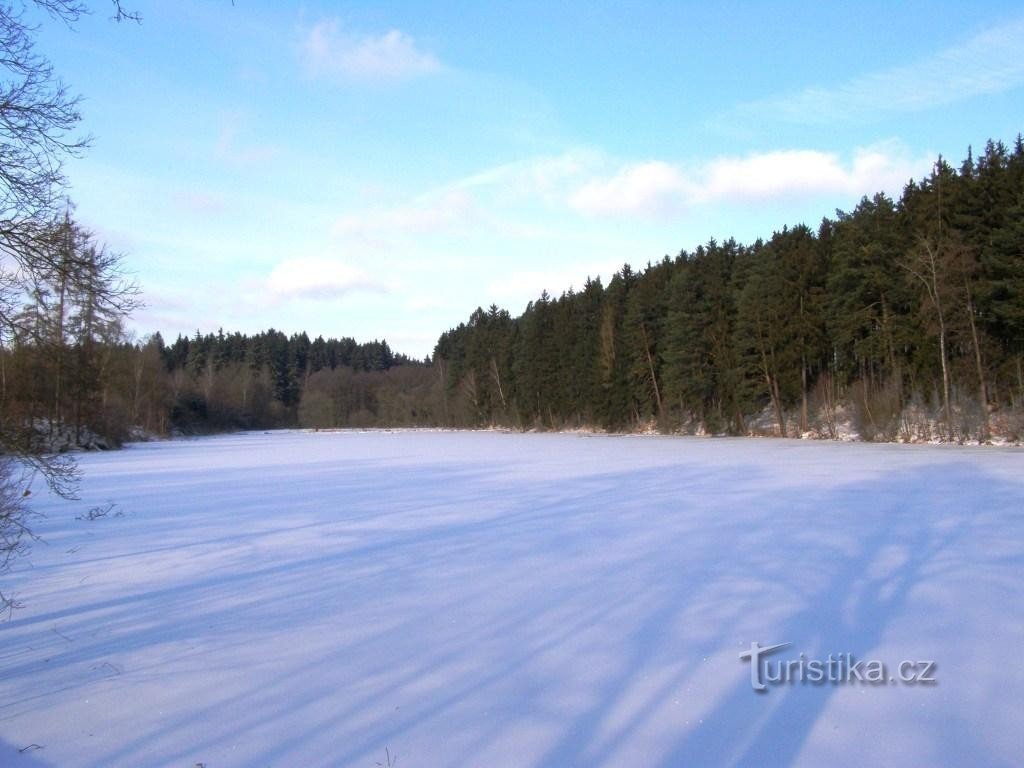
(547, 603)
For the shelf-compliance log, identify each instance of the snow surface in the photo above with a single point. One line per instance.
(489, 599)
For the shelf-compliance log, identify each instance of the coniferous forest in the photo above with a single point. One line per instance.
(904, 316)
(901, 319)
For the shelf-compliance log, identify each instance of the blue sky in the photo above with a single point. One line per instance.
(381, 169)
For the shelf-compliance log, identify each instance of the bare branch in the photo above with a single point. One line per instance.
(120, 14)
(46, 261)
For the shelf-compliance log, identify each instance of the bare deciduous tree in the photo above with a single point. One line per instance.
(39, 118)
(927, 265)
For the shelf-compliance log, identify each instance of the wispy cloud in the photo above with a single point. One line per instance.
(488, 199)
(542, 176)
(329, 51)
(658, 188)
(436, 213)
(317, 278)
(234, 147)
(990, 62)
(201, 204)
(504, 197)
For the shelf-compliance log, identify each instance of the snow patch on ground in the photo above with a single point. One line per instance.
(493, 599)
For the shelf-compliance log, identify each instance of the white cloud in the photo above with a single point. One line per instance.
(649, 188)
(990, 62)
(805, 173)
(658, 188)
(317, 278)
(330, 51)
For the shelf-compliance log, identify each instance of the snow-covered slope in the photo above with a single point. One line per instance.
(488, 599)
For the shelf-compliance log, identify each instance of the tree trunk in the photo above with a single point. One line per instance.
(945, 374)
(650, 366)
(982, 395)
(1020, 381)
(773, 392)
(803, 392)
(497, 380)
(890, 348)
(59, 363)
(803, 369)
(443, 380)
(3, 376)
(927, 271)
(137, 393)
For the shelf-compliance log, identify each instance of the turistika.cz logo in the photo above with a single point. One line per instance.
(836, 669)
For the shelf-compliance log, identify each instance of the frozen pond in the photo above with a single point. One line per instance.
(487, 599)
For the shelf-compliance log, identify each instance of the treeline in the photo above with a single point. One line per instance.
(904, 317)
(227, 381)
(58, 346)
(98, 390)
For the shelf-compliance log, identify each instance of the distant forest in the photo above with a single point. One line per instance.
(903, 318)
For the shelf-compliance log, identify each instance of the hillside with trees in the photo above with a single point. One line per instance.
(901, 319)
(904, 316)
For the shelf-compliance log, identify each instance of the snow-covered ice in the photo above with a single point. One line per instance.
(488, 599)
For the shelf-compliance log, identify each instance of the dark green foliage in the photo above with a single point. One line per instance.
(912, 303)
(208, 383)
(238, 381)
(900, 310)
(699, 357)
